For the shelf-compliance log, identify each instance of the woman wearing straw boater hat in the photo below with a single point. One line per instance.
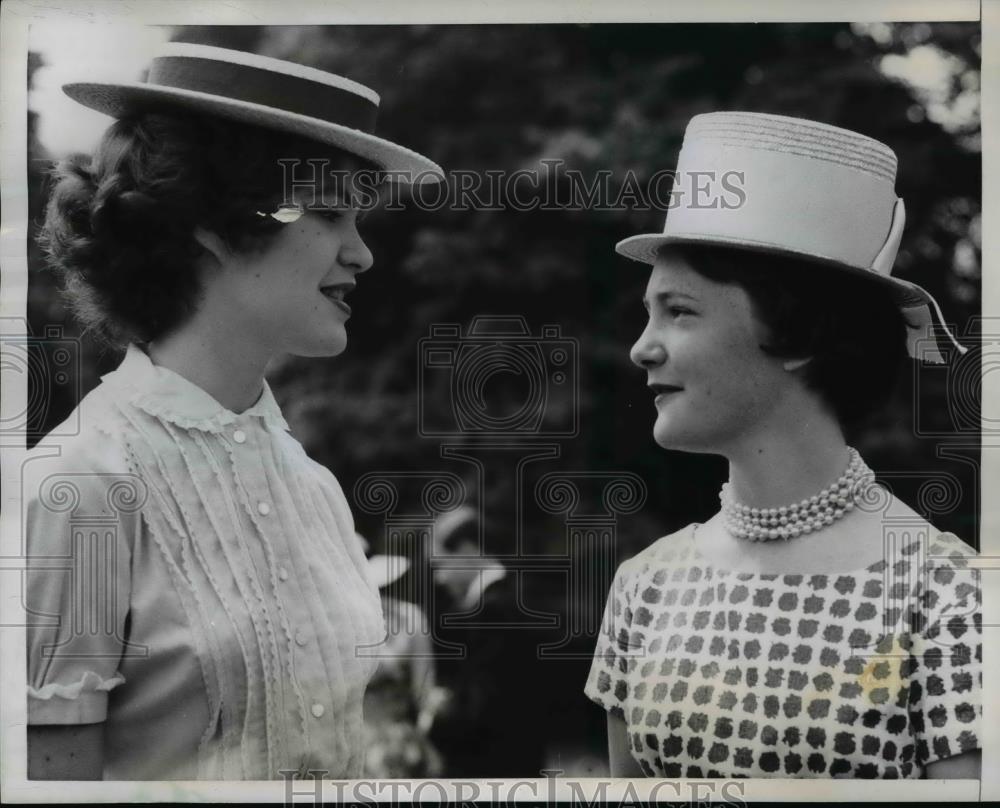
(798, 632)
(234, 589)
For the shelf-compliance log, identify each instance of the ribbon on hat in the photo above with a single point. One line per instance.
(923, 322)
(923, 317)
(887, 255)
(269, 88)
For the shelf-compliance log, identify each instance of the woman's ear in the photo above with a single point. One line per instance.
(213, 245)
(792, 365)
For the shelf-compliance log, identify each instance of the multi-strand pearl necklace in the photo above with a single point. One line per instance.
(789, 521)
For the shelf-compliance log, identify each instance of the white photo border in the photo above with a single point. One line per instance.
(18, 15)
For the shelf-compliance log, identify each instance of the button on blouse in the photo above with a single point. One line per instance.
(237, 595)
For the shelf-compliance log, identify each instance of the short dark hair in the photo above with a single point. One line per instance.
(119, 226)
(849, 325)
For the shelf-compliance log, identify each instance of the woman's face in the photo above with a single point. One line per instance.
(712, 384)
(289, 295)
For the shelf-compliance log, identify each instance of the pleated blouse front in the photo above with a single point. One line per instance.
(230, 602)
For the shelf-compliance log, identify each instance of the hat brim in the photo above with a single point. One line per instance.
(646, 247)
(121, 99)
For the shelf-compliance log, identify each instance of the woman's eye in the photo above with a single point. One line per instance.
(331, 214)
(339, 214)
(677, 311)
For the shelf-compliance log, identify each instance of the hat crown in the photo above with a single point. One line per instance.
(797, 136)
(806, 188)
(235, 57)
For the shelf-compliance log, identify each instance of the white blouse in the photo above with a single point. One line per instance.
(197, 585)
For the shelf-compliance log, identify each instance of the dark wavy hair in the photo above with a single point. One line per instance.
(119, 226)
(849, 325)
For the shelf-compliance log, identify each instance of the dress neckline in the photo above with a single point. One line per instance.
(875, 568)
(166, 394)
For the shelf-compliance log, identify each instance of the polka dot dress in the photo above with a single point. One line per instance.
(869, 674)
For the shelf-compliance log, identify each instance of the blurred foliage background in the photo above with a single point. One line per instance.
(606, 97)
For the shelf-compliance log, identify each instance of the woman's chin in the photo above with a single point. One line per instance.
(670, 436)
(665, 438)
(335, 349)
(328, 346)
(664, 428)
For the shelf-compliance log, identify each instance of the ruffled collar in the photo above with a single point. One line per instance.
(170, 396)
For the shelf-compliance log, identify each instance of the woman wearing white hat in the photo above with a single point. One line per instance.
(219, 641)
(802, 631)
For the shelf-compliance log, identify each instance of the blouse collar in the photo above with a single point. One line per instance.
(168, 395)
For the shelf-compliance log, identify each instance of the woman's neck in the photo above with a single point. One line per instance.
(787, 464)
(224, 367)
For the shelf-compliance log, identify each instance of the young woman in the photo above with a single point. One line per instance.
(815, 626)
(214, 590)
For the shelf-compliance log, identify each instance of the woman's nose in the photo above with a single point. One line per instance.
(355, 255)
(647, 352)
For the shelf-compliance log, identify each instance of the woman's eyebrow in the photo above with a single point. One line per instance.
(667, 296)
(333, 199)
(363, 199)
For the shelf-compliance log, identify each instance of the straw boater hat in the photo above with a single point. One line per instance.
(261, 91)
(811, 190)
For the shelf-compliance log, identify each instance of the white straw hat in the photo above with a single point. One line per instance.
(809, 190)
(261, 91)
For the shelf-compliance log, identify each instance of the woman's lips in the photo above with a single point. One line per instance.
(335, 294)
(663, 391)
(341, 305)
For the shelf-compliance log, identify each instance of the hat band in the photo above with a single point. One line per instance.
(267, 88)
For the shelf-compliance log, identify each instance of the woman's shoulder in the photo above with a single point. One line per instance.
(77, 472)
(86, 440)
(669, 550)
(947, 544)
(322, 475)
(892, 513)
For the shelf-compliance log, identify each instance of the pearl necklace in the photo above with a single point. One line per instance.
(788, 522)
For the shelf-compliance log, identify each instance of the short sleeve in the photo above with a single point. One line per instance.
(607, 683)
(79, 525)
(947, 679)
